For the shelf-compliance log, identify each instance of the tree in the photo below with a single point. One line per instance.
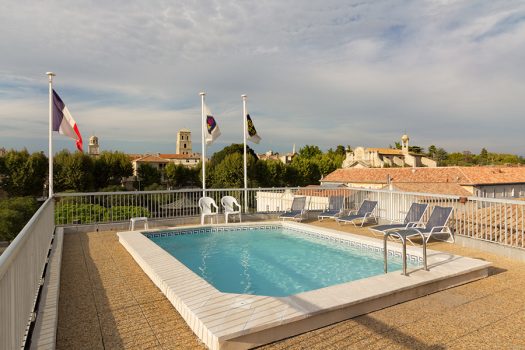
(148, 175)
(73, 171)
(432, 151)
(110, 168)
(309, 151)
(229, 173)
(484, 156)
(307, 171)
(440, 156)
(24, 173)
(177, 175)
(14, 214)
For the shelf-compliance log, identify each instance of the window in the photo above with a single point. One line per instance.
(184, 145)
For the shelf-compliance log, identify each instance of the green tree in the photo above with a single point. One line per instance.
(229, 173)
(14, 214)
(177, 175)
(310, 151)
(148, 175)
(270, 173)
(484, 156)
(24, 173)
(432, 151)
(73, 171)
(110, 168)
(440, 156)
(307, 171)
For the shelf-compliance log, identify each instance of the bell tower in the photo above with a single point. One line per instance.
(93, 148)
(184, 142)
(404, 143)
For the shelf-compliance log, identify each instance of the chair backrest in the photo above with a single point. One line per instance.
(415, 213)
(439, 217)
(298, 203)
(228, 204)
(205, 203)
(366, 207)
(336, 202)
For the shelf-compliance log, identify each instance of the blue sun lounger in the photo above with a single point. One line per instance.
(297, 211)
(365, 212)
(412, 219)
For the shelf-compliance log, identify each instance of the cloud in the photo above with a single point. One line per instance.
(321, 72)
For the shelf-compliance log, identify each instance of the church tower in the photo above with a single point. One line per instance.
(404, 143)
(184, 142)
(93, 148)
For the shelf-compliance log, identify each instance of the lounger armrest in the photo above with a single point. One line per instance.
(368, 215)
(434, 229)
(352, 211)
(413, 224)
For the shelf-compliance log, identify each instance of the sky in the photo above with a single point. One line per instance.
(360, 73)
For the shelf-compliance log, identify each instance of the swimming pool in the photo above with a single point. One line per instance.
(225, 320)
(270, 260)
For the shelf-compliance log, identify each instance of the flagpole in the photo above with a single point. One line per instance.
(203, 161)
(245, 163)
(50, 75)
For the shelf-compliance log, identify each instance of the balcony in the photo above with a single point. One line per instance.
(94, 295)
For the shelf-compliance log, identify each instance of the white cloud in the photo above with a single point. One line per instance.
(320, 72)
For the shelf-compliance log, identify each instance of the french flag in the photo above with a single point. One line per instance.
(63, 122)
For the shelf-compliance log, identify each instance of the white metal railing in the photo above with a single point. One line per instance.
(496, 220)
(21, 268)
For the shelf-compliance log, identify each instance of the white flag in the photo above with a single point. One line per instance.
(212, 129)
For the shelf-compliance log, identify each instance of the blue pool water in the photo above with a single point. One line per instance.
(273, 262)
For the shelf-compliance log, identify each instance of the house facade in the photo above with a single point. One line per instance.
(362, 157)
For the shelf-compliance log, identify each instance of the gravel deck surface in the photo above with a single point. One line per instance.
(107, 302)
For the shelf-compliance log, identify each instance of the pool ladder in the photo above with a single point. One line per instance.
(403, 238)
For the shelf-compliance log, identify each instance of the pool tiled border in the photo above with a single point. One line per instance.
(237, 321)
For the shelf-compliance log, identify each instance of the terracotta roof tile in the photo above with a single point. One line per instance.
(438, 188)
(458, 175)
(179, 156)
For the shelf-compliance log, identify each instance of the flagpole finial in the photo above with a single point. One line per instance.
(202, 93)
(244, 96)
(50, 75)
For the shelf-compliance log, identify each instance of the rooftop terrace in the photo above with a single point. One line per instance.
(105, 300)
(108, 302)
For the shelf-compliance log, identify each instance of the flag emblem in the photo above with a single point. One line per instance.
(63, 122)
(252, 133)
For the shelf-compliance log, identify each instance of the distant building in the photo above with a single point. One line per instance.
(150, 159)
(184, 142)
(189, 160)
(93, 147)
(362, 157)
(285, 158)
(488, 181)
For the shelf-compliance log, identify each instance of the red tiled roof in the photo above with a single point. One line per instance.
(179, 156)
(438, 188)
(151, 159)
(458, 175)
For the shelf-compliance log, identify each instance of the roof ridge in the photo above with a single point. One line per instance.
(466, 176)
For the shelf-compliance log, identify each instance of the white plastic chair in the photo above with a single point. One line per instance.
(207, 205)
(229, 203)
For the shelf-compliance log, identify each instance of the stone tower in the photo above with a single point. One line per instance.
(93, 148)
(404, 143)
(184, 142)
